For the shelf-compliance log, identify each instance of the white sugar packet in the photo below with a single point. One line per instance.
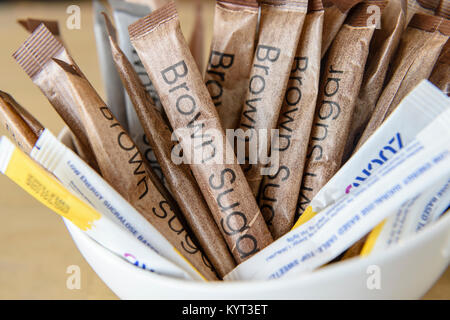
(411, 171)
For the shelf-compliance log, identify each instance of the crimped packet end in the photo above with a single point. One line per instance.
(430, 23)
(153, 20)
(37, 50)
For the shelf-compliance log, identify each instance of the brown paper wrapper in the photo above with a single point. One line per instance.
(420, 6)
(196, 42)
(33, 56)
(382, 49)
(418, 51)
(120, 162)
(123, 167)
(441, 72)
(444, 9)
(338, 90)
(10, 116)
(336, 12)
(230, 58)
(355, 250)
(280, 26)
(190, 109)
(179, 178)
(279, 192)
(31, 24)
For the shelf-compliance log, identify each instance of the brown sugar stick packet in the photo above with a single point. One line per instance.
(440, 76)
(32, 122)
(24, 130)
(420, 6)
(382, 49)
(123, 167)
(279, 192)
(230, 59)
(31, 24)
(163, 50)
(280, 26)
(416, 56)
(356, 248)
(52, 25)
(196, 42)
(120, 162)
(124, 14)
(338, 90)
(178, 177)
(29, 60)
(35, 126)
(336, 12)
(22, 125)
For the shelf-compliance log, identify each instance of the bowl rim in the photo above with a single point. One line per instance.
(440, 226)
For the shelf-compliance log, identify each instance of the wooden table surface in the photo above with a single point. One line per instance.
(35, 248)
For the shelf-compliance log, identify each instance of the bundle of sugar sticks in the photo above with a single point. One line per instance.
(312, 136)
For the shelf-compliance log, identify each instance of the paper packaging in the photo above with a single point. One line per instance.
(441, 72)
(335, 13)
(46, 189)
(124, 14)
(120, 162)
(279, 31)
(166, 57)
(279, 192)
(113, 87)
(35, 126)
(412, 217)
(411, 171)
(440, 75)
(31, 24)
(196, 42)
(415, 112)
(23, 131)
(418, 51)
(83, 182)
(420, 6)
(230, 59)
(52, 25)
(51, 87)
(338, 90)
(382, 48)
(179, 178)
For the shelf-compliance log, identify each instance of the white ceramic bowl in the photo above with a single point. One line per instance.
(407, 271)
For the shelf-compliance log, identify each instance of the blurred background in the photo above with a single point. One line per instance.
(35, 248)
